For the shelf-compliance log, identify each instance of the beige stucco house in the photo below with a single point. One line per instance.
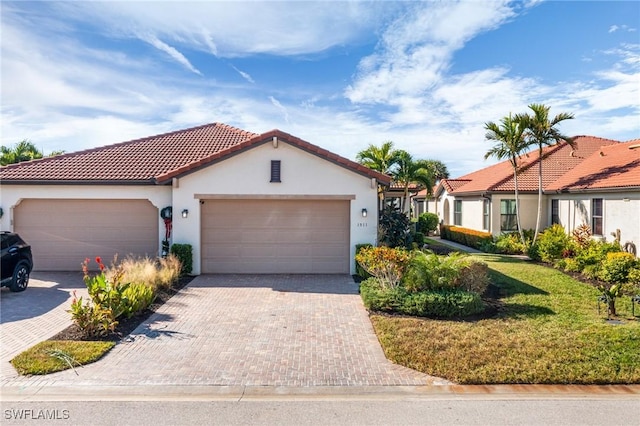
(246, 202)
(596, 182)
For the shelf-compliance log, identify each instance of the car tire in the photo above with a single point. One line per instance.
(20, 277)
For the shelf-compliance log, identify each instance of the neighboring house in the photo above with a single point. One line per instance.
(600, 173)
(246, 202)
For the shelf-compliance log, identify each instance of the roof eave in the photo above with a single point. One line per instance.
(79, 182)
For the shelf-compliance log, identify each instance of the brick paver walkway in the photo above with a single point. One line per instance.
(279, 330)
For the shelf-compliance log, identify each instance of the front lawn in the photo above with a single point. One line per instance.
(547, 330)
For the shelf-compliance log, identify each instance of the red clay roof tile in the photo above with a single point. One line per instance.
(557, 161)
(614, 166)
(157, 159)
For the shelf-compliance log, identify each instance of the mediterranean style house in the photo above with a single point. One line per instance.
(245, 202)
(596, 182)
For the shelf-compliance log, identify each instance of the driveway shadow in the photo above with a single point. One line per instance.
(296, 283)
(46, 292)
(30, 303)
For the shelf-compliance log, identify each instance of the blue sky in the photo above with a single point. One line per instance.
(342, 75)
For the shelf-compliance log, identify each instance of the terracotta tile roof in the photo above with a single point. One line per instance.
(158, 159)
(612, 166)
(557, 160)
(138, 161)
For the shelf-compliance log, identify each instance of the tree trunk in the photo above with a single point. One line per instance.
(612, 306)
(535, 235)
(515, 179)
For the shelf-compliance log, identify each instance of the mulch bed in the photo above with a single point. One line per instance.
(127, 325)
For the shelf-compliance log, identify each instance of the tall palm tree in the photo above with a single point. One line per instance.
(541, 131)
(509, 135)
(377, 158)
(407, 171)
(22, 151)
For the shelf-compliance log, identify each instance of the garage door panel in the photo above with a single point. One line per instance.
(275, 236)
(63, 233)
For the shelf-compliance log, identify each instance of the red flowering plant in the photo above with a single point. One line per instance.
(108, 299)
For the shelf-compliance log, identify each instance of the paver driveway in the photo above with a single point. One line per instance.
(273, 330)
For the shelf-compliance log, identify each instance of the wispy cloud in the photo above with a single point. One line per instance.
(280, 107)
(171, 51)
(614, 28)
(244, 75)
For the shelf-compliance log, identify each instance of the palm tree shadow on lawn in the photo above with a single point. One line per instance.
(503, 286)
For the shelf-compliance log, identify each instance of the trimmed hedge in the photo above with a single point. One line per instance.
(465, 236)
(433, 304)
(184, 252)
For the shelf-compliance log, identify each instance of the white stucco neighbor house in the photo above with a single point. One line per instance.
(596, 182)
(246, 202)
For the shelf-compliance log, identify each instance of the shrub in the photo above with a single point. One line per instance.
(616, 267)
(427, 222)
(418, 238)
(139, 297)
(106, 293)
(552, 242)
(384, 263)
(582, 235)
(438, 304)
(359, 269)
(468, 237)
(169, 272)
(634, 275)
(571, 265)
(428, 271)
(92, 319)
(533, 252)
(510, 243)
(594, 254)
(394, 228)
(474, 277)
(184, 253)
(442, 304)
(376, 297)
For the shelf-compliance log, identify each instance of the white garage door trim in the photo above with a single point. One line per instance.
(290, 234)
(63, 232)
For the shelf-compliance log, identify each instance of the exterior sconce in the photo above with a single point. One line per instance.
(185, 213)
(364, 212)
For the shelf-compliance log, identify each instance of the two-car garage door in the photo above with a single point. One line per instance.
(275, 236)
(62, 233)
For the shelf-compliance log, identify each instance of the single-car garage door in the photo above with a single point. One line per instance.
(275, 236)
(62, 233)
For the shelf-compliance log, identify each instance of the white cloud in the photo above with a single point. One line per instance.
(280, 107)
(613, 28)
(244, 75)
(171, 51)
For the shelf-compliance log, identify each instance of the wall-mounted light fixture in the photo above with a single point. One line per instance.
(364, 212)
(185, 213)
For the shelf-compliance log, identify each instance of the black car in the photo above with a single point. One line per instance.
(17, 261)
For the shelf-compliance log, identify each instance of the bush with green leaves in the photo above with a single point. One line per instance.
(418, 239)
(427, 222)
(139, 297)
(359, 269)
(385, 264)
(394, 228)
(616, 267)
(591, 256)
(552, 243)
(510, 243)
(93, 320)
(184, 253)
(450, 303)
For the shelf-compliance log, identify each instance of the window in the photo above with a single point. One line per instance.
(275, 170)
(555, 212)
(508, 221)
(596, 216)
(486, 215)
(457, 212)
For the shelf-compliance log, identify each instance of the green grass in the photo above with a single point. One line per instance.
(548, 332)
(57, 355)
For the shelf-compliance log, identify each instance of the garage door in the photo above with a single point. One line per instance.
(275, 236)
(62, 233)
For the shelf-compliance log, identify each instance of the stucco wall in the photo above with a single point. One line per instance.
(248, 173)
(620, 211)
(12, 195)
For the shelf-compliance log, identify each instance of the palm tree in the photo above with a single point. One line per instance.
(541, 131)
(407, 171)
(509, 135)
(379, 158)
(438, 169)
(22, 151)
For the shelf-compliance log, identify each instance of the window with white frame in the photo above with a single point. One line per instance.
(596, 216)
(486, 215)
(457, 212)
(508, 219)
